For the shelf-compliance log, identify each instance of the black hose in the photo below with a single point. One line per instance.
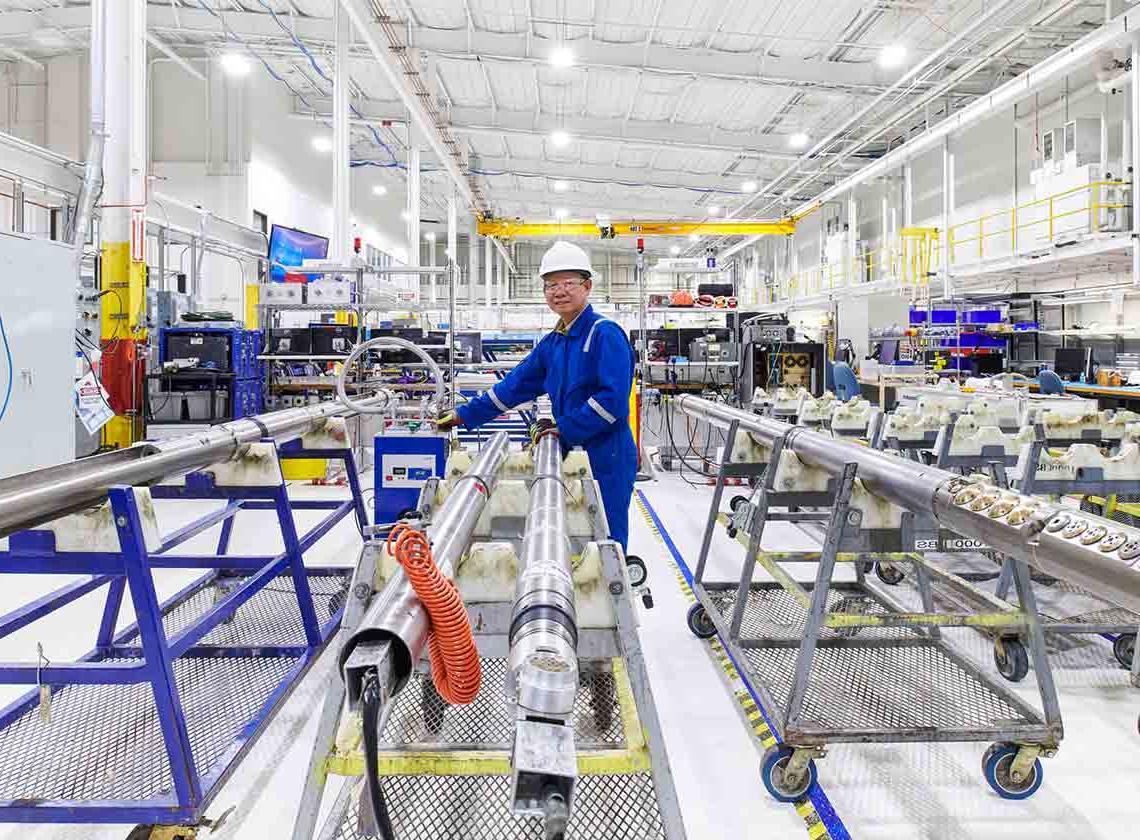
(370, 700)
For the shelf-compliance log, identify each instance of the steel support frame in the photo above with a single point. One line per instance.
(34, 552)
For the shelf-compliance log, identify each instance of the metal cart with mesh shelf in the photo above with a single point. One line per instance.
(147, 726)
(446, 769)
(847, 663)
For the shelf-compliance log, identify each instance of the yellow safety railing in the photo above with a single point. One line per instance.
(916, 254)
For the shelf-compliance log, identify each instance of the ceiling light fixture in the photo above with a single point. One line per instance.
(234, 64)
(562, 57)
(430, 236)
(675, 250)
(561, 213)
(892, 56)
(404, 215)
(560, 186)
(694, 237)
(749, 187)
(322, 144)
(714, 210)
(799, 140)
(379, 189)
(560, 138)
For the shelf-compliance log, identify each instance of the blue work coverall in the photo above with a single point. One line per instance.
(587, 369)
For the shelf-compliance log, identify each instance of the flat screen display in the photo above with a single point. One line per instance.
(289, 247)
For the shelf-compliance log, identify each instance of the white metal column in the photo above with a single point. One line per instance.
(1134, 149)
(473, 274)
(1013, 225)
(947, 211)
(488, 268)
(342, 141)
(431, 243)
(413, 207)
(452, 261)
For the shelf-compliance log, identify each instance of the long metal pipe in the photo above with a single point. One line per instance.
(1016, 526)
(542, 670)
(41, 495)
(94, 167)
(396, 615)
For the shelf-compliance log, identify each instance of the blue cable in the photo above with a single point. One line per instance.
(11, 369)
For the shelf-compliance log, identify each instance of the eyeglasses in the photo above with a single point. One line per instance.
(568, 283)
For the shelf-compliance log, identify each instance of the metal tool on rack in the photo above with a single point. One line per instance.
(542, 669)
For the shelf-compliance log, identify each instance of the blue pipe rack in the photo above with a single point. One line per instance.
(148, 725)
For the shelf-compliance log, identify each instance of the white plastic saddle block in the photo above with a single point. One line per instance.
(487, 573)
(327, 433)
(94, 529)
(853, 416)
(592, 600)
(255, 465)
(1064, 464)
(819, 410)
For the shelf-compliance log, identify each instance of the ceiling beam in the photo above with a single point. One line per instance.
(634, 133)
(840, 77)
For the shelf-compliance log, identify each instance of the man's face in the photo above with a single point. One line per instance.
(566, 292)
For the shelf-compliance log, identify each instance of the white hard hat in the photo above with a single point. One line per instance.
(565, 256)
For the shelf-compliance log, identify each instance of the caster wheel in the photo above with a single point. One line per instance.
(996, 764)
(731, 531)
(638, 573)
(736, 502)
(1124, 648)
(1011, 659)
(647, 599)
(432, 706)
(700, 625)
(772, 771)
(888, 574)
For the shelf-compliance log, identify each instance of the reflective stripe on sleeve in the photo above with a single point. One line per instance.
(597, 406)
(495, 399)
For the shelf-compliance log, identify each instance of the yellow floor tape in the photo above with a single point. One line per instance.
(805, 808)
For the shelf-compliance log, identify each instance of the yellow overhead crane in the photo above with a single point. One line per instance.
(512, 229)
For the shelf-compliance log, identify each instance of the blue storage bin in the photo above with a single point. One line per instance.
(982, 316)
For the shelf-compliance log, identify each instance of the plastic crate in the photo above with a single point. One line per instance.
(248, 397)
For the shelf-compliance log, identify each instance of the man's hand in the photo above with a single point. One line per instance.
(448, 421)
(541, 427)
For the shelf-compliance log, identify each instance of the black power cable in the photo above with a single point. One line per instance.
(370, 700)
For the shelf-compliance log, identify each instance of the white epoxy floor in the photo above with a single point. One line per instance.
(903, 791)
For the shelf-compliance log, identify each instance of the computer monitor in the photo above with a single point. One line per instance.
(290, 247)
(888, 352)
(1072, 362)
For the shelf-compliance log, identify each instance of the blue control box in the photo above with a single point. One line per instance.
(405, 460)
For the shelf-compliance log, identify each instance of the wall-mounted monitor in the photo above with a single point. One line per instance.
(291, 247)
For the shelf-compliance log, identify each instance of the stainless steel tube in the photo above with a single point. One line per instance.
(34, 497)
(396, 615)
(1096, 553)
(542, 670)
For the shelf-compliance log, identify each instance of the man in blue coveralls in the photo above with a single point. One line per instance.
(586, 366)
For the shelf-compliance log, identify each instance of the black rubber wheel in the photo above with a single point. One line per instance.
(736, 502)
(1124, 648)
(996, 765)
(647, 599)
(772, 773)
(1011, 659)
(637, 570)
(432, 706)
(889, 574)
(731, 531)
(700, 625)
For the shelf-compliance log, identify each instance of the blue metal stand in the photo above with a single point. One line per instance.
(146, 726)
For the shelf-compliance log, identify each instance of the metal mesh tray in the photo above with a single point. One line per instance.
(620, 807)
(105, 742)
(271, 617)
(421, 720)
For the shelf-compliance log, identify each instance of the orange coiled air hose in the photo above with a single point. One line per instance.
(455, 665)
